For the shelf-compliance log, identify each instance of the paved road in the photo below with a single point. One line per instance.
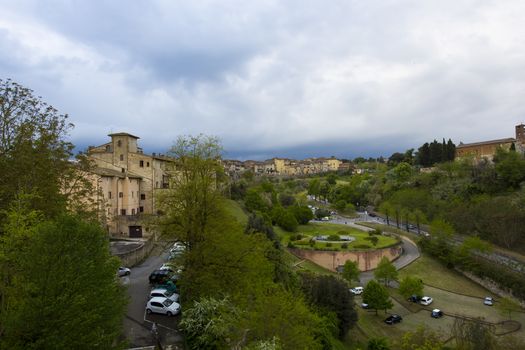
(137, 325)
(410, 249)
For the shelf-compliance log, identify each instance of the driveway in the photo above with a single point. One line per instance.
(138, 325)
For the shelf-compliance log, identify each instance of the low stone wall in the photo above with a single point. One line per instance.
(366, 260)
(138, 254)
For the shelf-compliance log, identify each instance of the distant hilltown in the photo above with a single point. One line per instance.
(284, 166)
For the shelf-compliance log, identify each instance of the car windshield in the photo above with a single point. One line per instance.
(167, 302)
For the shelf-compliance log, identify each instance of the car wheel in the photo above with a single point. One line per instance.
(127, 273)
(148, 311)
(169, 314)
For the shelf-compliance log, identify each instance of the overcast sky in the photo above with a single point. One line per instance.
(274, 78)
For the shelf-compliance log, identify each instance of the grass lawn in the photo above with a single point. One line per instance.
(306, 265)
(235, 209)
(315, 229)
(433, 273)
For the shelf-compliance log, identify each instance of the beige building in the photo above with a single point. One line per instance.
(487, 149)
(285, 166)
(127, 180)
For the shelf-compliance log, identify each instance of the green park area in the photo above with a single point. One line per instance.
(333, 238)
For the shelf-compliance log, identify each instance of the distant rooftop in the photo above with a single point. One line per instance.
(123, 134)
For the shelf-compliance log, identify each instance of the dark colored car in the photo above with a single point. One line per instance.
(393, 319)
(159, 276)
(415, 298)
(436, 313)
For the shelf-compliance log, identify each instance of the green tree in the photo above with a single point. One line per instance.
(331, 293)
(396, 158)
(314, 187)
(510, 168)
(340, 205)
(324, 190)
(377, 344)
(410, 286)
(302, 214)
(288, 221)
(194, 194)
(331, 179)
(64, 294)
(276, 307)
(258, 224)
(286, 199)
(34, 152)
(351, 271)
(376, 296)
(451, 150)
(436, 152)
(211, 324)
(272, 344)
(254, 202)
(228, 262)
(421, 339)
(423, 155)
(385, 271)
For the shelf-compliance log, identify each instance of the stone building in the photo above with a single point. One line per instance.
(487, 149)
(127, 180)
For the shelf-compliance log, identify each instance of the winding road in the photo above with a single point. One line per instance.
(410, 249)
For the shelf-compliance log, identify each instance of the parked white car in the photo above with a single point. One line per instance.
(426, 301)
(164, 293)
(356, 290)
(488, 301)
(178, 247)
(168, 267)
(163, 306)
(123, 271)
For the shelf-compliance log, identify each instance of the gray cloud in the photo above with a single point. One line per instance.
(344, 78)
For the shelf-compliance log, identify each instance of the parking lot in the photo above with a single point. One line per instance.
(453, 306)
(137, 324)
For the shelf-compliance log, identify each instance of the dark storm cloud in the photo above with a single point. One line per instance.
(297, 78)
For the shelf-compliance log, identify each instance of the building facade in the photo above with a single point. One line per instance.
(127, 180)
(487, 149)
(284, 166)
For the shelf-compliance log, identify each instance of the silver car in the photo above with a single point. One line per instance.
(123, 271)
(163, 306)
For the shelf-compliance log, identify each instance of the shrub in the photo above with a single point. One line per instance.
(321, 213)
(296, 237)
(344, 245)
(334, 238)
(291, 245)
(328, 244)
(373, 239)
(362, 246)
(312, 242)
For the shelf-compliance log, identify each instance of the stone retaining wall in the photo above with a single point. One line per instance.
(366, 260)
(135, 256)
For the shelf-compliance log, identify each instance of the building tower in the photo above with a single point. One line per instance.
(520, 133)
